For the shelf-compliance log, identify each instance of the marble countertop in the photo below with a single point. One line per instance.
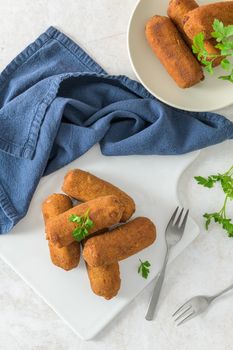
(205, 267)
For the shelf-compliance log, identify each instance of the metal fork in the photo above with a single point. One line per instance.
(195, 306)
(173, 234)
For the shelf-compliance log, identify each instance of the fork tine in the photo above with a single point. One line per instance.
(179, 218)
(180, 308)
(182, 226)
(183, 313)
(172, 217)
(187, 318)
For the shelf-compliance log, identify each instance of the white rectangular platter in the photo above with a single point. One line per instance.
(152, 182)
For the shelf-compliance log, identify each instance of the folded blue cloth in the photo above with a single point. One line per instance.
(56, 103)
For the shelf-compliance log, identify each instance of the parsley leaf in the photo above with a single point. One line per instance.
(206, 182)
(198, 48)
(84, 225)
(219, 30)
(226, 182)
(75, 218)
(198, 44)
(226, 65)
(209, 67)
(223, 35)
(227, 185)
(228, 31)
(144, 268)
(227, 77)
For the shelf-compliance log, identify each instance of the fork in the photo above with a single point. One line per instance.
(174, 232)
(195, 306)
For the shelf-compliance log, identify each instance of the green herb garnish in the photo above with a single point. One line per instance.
(84, 224)
(226, 182)
(223, 35)
(143, 268)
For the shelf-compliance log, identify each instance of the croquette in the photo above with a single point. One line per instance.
(84, 187)
(172, 51)
(177, 10)
(105, 280)
(103, 211)
(68, 257)
(120, 243)
(202, 18)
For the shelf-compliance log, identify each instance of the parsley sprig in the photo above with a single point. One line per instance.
(223, 35)
(84, 224)
(144, 268)
(226, 182)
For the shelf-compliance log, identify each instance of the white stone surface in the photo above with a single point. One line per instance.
(26, 322)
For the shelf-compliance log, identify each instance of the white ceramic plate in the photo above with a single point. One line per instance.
(152, 182)
(208, 95)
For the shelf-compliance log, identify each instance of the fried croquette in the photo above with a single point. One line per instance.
(119, 244)
(177, 10)
(84, 186)
(68, 257)
(103, 211)
(172, 51)
(105, 280)
(201, 19)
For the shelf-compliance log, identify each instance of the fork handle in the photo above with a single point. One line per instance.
(156, 292)
(222, 292)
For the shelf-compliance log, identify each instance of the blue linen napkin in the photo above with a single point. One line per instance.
(56, 103)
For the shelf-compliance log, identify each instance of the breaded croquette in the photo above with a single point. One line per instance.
(84, 186)
(177, 10)
(103, 211)
(105, 280)
(68, 257)
(172, 51)
(119, 244)
(202, 18)
(54, 205)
